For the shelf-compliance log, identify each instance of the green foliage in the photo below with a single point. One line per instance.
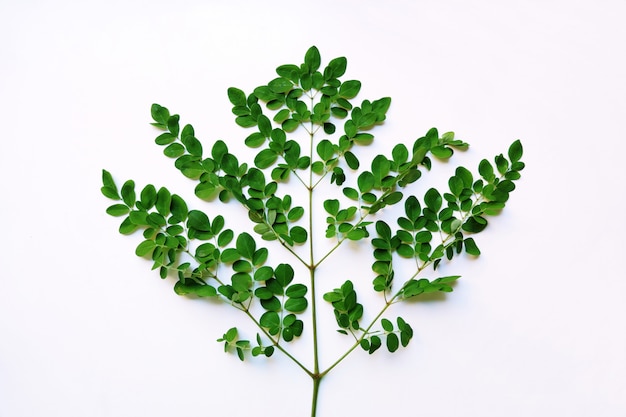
(306, 126)
(347, 311)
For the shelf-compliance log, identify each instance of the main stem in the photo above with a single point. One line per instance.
(312, 267)
(316, 386)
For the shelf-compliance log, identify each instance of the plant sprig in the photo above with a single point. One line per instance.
(306, 126)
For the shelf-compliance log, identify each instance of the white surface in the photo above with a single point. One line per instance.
(534, 328)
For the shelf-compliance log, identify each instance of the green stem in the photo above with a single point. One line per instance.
(340, 241)
(316, 387)
(277, 344)
(314, 322)
(286, 246)
(312, 269)
(365, 332)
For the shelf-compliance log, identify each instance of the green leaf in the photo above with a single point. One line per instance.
(350, 128)
(380, 168)
(172, 124)
(339, 112)
(195, 289)
(351, 160)
(218, 151)
(332, 297)
(117, 210)
(128, 193)
(284, 274)
(127, 227)
(363, 138)
(199, 221)
(205, 250)
(331, 206)
(400, 154)
(406, 332)
(255, 140)
(350, 89)
(312, 59)
(230, 164)
(296, 305)
(392, 342)
(501, 164)
(447, 280)
(412, 208)
(365, 181)
(245, 121)
(351, 193)
(280, 85)
(515, 151)
(475, 224)
(156, 220)
(271, 304)
(375, 343)
(245, 245)
(174, 150)
(229, 255)
(295, 214)
(383, 230)
(144, 248)
(265, 93)
(357, 234)
(288, 71)
(205, 190)
(298, 234)
(471, 247)
(107, 181)
(178, 208)
(433, 199)
(423, 237)
(265, 158)
(465, 175)
(260, 256)
(139, 218)
(338, 66)
(270, 320)
(110, 193)
(296, 291)
(148, 196)
(290, 125)
(381, 106)
(486, 170)
(163, 201)
(187, 131)
(325, 149)
(237, 97)
(193, 145)
(241, 281)
(456, 185)
(387, 325)
(282, 115)
(256, 179)
(393, 198)
(263, 273)
(159, 114)
(225, 237)
(441, 152)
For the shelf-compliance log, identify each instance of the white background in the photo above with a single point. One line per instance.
(534, 328)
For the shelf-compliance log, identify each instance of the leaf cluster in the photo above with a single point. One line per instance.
(170, 228)
(394, 337)
(305, 125)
